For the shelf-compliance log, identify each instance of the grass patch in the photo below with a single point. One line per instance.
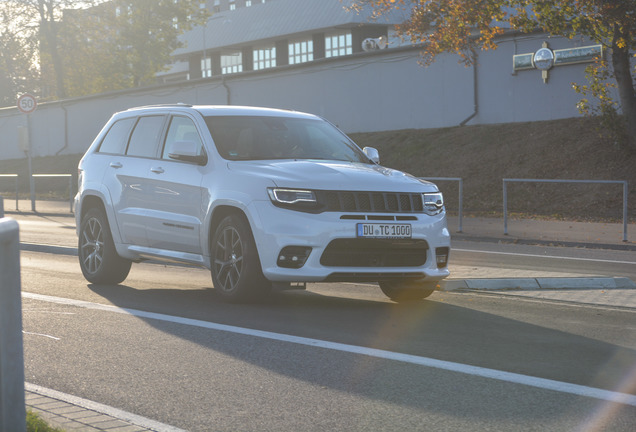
(483, 155)
(35, 423)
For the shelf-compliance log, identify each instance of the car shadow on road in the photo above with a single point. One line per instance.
(430, 328)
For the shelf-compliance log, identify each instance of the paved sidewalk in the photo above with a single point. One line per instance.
(44, 207)
(70, 413)
(69, 417)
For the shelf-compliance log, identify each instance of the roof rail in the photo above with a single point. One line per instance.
(178, 104)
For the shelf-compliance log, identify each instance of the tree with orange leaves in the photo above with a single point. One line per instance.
(465, 26)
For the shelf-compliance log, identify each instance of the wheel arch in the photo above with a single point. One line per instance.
(90, 201)
(220, 213)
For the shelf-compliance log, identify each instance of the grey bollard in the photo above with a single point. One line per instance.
(12, 407)
(1, 207)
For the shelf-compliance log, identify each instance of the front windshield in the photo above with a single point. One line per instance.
(261, 137)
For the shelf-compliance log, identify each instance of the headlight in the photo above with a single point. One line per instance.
(433, 203)
(296, 199)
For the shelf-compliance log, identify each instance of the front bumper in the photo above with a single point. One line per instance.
(348, 258)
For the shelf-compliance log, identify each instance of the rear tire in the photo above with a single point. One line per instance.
(235, 265)
(98, 257)
(407, 291)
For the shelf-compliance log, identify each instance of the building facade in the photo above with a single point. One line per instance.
(316, 57)
(248, 35)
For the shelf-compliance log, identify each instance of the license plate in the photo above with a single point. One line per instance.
(380, 230)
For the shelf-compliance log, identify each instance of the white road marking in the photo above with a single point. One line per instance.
(101, 408)
(542, 383)
(542, 256)
(40, 334)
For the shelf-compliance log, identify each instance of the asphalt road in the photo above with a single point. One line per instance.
(335, 357)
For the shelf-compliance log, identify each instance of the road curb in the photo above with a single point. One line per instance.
(74, 413)
(53, 249)
(540, 283)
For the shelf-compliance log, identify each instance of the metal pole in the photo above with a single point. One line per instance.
(12, 408)
(505, 207)
(1, 207)
(625, 195)
(16, 192)
(461, 205)
(70, 193)
(31, 181)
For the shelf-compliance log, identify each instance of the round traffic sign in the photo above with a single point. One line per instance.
(27, 103)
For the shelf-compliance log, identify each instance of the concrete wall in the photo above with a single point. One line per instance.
(385, 90)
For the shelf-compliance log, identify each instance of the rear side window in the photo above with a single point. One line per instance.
(117, 137)
(145, 138)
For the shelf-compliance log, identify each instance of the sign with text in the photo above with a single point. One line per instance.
(27, 103)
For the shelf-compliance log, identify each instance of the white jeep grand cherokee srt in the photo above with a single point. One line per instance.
(261, 197)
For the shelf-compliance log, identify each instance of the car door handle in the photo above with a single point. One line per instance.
(116, 165)
(157, 170)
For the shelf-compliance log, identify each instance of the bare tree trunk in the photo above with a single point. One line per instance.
(49, 40)
(625, 82)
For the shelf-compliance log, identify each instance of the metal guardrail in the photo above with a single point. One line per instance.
(12, 408)
(15, 177)
(461, 196)
(70, 187)
(33, 177)
(620, 182)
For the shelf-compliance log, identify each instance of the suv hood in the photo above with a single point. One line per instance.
(331, 175)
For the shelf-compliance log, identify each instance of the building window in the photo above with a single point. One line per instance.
(248, 3)
(264, 58)
(301, 51)
(206, 67)
(231, 63)
(338, 44)
(232, 5)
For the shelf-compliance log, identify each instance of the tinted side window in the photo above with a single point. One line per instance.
(181, 129)
(145, 138)
(117, 137)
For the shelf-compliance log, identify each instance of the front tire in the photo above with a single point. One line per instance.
(407, 291)
(98, 258)
(236, 267)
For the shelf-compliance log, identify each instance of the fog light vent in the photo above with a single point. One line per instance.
(441, 256)
(293, 256)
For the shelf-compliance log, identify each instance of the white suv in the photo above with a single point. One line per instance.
(263, 198)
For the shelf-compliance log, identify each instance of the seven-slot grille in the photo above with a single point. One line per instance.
(374, 202)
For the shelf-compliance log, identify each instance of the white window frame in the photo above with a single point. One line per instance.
(301, 51)
(206, 67)
(338, 44)
(264, 58)
(231, 63)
